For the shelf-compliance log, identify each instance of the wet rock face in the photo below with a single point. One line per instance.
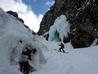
(85, 20)
(80, 38)
(85, 16)
(66, 39)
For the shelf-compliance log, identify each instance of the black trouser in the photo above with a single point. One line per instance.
(60, 49)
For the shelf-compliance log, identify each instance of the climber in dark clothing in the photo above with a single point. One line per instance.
(61, 49)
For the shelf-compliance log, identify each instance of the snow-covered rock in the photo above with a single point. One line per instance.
(14, 38)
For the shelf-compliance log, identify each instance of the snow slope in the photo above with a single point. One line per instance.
(76, 61)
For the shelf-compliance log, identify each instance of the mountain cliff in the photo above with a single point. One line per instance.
(82, 16)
